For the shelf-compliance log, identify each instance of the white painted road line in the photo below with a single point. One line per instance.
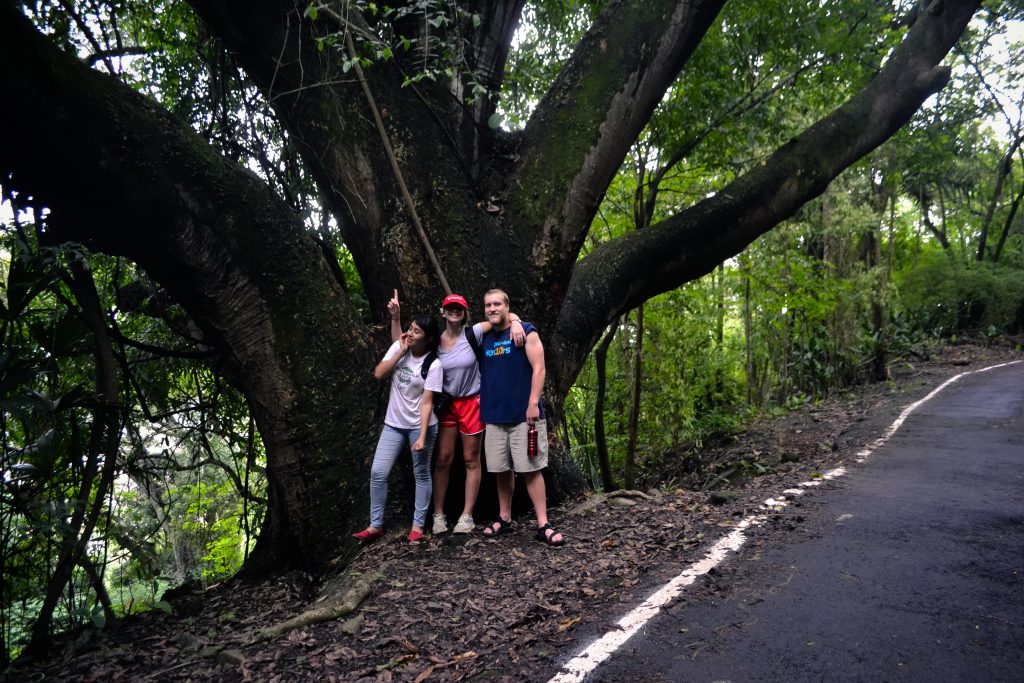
(580, 666)
(583, 664)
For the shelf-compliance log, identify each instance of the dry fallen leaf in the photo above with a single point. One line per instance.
(567, 624)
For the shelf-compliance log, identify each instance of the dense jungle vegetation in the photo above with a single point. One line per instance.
(918, 244)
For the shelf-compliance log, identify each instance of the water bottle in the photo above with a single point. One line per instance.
(531, 442)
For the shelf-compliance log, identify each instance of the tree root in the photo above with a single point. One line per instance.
(336, 606)
(719, 480)
(614, 497)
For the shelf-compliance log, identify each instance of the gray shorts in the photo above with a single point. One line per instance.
(505, 447)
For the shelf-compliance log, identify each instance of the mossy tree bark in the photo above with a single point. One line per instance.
(122, 176)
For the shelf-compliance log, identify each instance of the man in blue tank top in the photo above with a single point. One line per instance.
(511, 382)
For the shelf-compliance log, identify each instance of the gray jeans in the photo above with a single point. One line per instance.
(390, 445)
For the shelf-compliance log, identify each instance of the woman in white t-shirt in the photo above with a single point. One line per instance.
(409, 419)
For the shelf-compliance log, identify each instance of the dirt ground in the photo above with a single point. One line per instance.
(458, 608)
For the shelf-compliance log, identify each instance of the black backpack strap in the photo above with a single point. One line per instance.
(473, 343)
(425, 368)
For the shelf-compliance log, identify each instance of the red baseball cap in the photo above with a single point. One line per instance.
(455, 300)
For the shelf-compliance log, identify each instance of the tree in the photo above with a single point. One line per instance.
(119, 174)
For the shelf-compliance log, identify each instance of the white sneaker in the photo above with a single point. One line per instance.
(440, 524)
(465, 525)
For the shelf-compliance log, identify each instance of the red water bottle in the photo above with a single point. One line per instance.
(531, 442)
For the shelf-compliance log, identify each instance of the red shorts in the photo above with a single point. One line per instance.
(463, 413)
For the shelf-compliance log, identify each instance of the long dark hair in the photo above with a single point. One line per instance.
(428, 324)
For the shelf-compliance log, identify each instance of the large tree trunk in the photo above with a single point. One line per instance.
(122, 176)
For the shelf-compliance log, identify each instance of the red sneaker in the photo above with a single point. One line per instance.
(368, 534)
(415, 536)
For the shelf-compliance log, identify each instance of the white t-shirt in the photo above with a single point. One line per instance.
(407, 389)
(461, 371)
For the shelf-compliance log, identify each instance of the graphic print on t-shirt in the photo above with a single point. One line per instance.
(500, 348)
(402, 376)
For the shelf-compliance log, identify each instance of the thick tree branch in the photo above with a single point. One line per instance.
(583, 128)
(493, 40)
(490, 45)
(621, 274)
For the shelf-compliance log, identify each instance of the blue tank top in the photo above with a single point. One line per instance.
(505, 378)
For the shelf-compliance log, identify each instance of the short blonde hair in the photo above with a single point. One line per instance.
(497, 291)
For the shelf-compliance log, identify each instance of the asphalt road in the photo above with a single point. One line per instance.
(909, 568)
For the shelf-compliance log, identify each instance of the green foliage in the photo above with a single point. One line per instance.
(211, 516)
(427, 37)
(706, 364)
(189, 445)
(44, 402)
(947, 297)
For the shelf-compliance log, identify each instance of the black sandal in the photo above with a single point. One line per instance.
(544, 537)
(497, 528)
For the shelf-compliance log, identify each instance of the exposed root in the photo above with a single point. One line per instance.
(622, 497)
(334, 606)
(624, 493)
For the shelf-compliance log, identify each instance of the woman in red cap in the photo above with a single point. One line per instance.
(458, 357)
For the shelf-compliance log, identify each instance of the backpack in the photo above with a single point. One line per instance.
(425, 368)
(473, 343)
(442, 399)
